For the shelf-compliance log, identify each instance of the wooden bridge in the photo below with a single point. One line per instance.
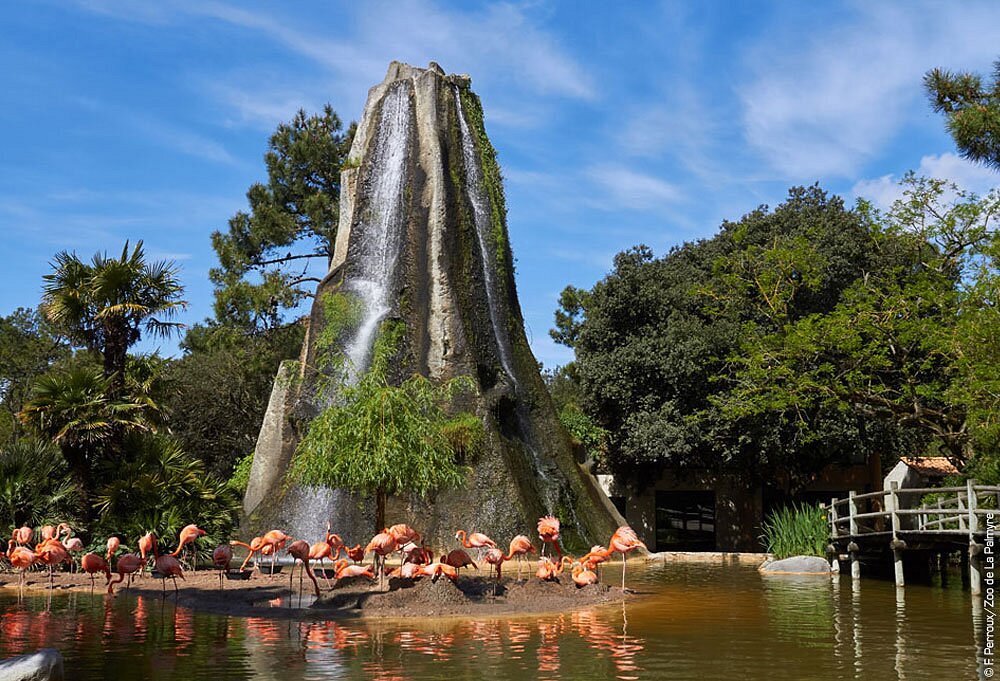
(962, 518)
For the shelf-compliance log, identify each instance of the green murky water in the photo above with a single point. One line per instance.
(695, 622)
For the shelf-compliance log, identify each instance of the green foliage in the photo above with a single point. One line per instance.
(29, 346)
(160, 488)
(34, 487)
(383, 439)
(240, 477)
(492, 178)
(972, 111)
(910, 341)
(659, 343)
(796, 531)
(342, 312)
(105, 305)
(217, 393)
(264, 257)
(585, 431)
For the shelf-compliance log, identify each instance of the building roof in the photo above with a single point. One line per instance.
(930, 466)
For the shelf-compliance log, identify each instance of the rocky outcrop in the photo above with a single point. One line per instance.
(45, 665)
(796, 565)
(423, 239)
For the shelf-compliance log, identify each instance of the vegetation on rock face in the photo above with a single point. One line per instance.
(381, 439)
(796, 531)
(972, 110)
(265, 254)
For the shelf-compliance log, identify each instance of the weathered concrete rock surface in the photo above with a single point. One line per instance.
(797, 565)
(423, 239)
(45, 665)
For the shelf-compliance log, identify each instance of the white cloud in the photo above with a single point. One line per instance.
(823, 101)
(883, 191)
(627, 188)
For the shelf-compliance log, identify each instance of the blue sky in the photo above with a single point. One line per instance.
(616, 123)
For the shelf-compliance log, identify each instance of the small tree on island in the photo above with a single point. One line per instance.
(382, 439)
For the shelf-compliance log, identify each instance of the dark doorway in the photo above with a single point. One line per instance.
(685, 521)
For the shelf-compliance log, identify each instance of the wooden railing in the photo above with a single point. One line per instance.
(956, 515)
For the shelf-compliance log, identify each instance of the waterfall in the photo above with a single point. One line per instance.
(482, 215)
(475, 189)
(371, 279)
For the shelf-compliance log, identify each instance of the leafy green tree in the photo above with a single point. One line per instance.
(216, 394)
(105, 305)
(912, 342)
(659, 342)
(265, 255)
(382, 439)
(28, 348)
(972, 110)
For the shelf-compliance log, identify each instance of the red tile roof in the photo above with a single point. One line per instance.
(931, 466)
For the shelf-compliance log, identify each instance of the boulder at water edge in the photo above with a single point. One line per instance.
(796, 565)
(45, 665)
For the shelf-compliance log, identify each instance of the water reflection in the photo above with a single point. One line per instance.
(695, 624)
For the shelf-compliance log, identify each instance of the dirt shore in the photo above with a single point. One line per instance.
(270, 596)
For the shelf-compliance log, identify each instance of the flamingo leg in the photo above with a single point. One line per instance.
(163, 585)
(624, 563)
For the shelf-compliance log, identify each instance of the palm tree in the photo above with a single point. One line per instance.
(75, 409)
(106, 304)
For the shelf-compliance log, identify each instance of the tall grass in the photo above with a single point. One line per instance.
(796, 531)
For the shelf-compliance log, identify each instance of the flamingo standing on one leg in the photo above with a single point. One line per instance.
(495, 558)
(625, 541)
(519, 546)
(92, 563)
(21, 558)
(128, 564)
(548, 532)
(221, 557)
(476, 540)
(299, 550)
(189, 535)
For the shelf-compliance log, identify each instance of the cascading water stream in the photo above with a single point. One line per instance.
(475, 189)
(371, 278)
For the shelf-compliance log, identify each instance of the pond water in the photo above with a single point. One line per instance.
(695, 622)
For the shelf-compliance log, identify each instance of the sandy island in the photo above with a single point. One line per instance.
(267, 596)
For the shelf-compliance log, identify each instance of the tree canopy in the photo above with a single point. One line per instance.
(972, 111)
(660, 343)
(265, 256)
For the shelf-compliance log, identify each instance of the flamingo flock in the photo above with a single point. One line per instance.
(415, 559)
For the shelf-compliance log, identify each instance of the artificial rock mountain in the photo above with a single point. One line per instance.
(422, 239)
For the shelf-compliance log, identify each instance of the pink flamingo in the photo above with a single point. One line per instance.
(146, 543)
(128, 564)
(382, 544)
(299, 550)
(22, 536)
(275, 539)
(476, 540)
(114, 543)
(21, 558)
(459, 559)
(548, 532)
(320, 551)
(189, 535)
(583, 576)
(345, 571)
(167, 566)
(50, 553)
(435, 570)
(92, 563)
(519, 546)
(221, 557)
(624, 541)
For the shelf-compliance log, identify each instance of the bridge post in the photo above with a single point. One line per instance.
(832, 548)
(896, 545)
(961, 516)
(975, 562)
(852, 547)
